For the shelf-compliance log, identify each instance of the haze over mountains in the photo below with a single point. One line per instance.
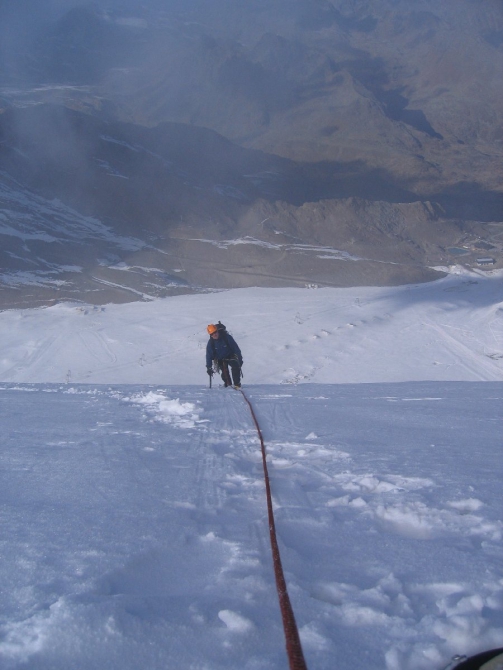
(163, 147)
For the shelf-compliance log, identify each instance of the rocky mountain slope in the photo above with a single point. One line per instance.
(166, 147)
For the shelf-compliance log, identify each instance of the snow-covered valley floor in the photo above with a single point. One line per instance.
(134, 521)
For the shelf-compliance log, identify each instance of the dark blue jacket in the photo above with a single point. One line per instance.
(224, 347)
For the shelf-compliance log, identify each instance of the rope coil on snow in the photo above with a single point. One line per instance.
(293, 645)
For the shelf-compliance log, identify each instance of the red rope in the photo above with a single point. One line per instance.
(293, 645)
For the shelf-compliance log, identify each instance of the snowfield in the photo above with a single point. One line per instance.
(133, 508)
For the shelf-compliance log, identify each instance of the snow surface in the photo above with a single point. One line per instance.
(132, 500)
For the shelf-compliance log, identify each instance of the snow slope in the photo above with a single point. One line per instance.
(133, 511)
(451, 329)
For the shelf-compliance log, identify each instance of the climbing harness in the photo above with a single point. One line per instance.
(224, 370)
(292, 639)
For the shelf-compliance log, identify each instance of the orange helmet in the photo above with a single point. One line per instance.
(211, 329)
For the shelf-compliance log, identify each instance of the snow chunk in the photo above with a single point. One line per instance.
(235, 622)
(312, 639)
(167, 410)
(466, 506)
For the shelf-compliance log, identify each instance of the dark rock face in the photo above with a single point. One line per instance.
(198, 144)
